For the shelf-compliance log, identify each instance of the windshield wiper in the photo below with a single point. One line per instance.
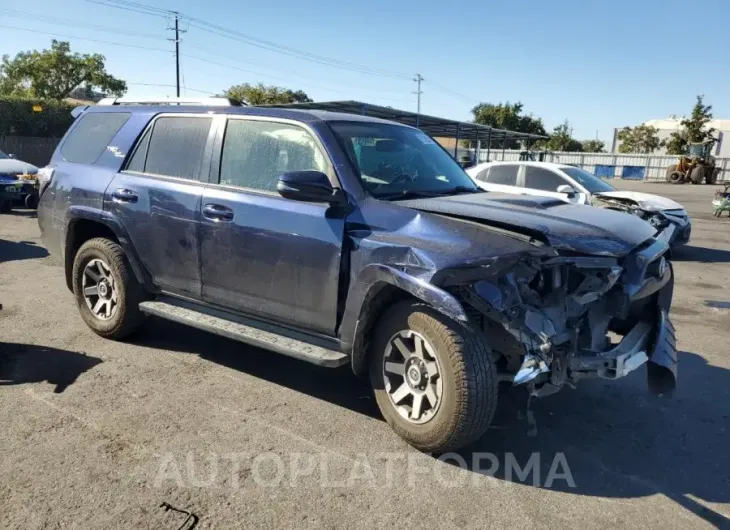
(407, 194)
(461, 189)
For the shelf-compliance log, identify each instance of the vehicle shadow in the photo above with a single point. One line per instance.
(29, 363)
(701, 254)
(30, 214)
(337, 386)
(619, 441)
(13, 251)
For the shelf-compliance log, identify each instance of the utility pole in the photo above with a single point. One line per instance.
(418, 92)
(177, 53)
(176, 40)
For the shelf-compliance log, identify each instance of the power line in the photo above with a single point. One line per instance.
(257, 42)
(232, 67)
(67, 22)
(289, 73)
(173, 86)
(130, 6)
(292, 52)
(125, 45)
(458, 95)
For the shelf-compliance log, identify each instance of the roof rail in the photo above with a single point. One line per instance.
(210, 102)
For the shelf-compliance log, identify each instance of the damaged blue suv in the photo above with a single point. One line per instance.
(341, 239)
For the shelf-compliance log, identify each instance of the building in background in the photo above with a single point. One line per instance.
(672, 124)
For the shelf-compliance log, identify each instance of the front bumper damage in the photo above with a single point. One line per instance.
(574, 317)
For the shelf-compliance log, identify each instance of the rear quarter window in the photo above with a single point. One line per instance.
(90, 137)
(503, 174)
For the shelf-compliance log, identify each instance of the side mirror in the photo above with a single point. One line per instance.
(567, 189)
(10, 155)
(309, 186)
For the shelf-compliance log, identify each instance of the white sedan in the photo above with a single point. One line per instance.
(577, 186)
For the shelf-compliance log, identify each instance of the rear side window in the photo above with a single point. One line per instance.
(90, 137)
(256, 153)
(542, 179)
(503, 174)
(176, 147)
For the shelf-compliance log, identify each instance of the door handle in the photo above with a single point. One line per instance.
(217, 212)
(124, 195)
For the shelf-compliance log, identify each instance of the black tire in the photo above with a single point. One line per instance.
(31, 201)
(469, 391)
(697, 175)
(711, 177)
(127, 317)
(672, 173)
(6, 206)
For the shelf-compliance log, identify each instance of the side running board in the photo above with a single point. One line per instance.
(243, 330)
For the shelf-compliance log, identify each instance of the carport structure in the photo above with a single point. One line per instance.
(480, 135)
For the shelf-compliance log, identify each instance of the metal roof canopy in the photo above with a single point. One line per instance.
(431, 125)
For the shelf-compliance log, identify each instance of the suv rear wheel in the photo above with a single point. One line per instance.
(107, 293)
(433, 378)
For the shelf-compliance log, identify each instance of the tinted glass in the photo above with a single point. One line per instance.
(140, 153)
(92, 135)
(588, 180)
(543, 179)
(177, 147)
(503, 174)
(256, 153)
(3, 156)
(392, 160)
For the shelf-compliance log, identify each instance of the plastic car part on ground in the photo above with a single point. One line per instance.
(721, 203)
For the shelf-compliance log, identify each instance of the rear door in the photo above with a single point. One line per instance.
(500, 177)
(263, 254)
(157, 197)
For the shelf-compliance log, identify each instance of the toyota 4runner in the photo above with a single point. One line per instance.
(341, 239)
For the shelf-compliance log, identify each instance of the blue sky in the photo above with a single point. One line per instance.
(598, 64)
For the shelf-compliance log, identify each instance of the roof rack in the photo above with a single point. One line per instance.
(210, 102)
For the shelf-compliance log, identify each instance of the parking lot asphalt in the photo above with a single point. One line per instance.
(99, 434)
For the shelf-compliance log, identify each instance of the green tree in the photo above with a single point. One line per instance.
(693, 129)
(507, 116)
(639, 139)
(266, 95)
(55, 73)
(593, 146)
(560, 139)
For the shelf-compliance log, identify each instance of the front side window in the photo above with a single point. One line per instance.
(176, 147)
(538, 178)
(256, 153)
(394, 160)
(504, 174)
(91, 136)
(588, 180)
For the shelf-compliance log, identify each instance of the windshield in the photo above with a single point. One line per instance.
(3, 155)
(395, 161)
(589, 181)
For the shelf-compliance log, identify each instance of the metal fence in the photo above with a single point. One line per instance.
(609, 165)
(36, 151)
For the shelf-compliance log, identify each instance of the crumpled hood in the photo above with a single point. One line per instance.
(9, 166)
(645, 201)
(595, 231)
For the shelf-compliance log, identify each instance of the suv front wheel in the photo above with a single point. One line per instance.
(433, 378)
(106, 290)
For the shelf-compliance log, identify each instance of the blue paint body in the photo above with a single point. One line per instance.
(309, 266)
